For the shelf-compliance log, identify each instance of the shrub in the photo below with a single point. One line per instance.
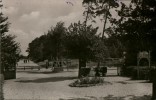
(85, 72)
(132, 72)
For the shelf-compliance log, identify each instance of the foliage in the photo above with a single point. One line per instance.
(48, 46)
(85, 72)
(80, 39)
(35, 49)
(88, 81)
(10, 51)
(115, 46)
(101, 9)
(136, 26)
(10, 48)
(84, 44)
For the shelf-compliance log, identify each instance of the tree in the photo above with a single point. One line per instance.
(57, 35)
(136, 26)
(88, 13)
(48, 46)
(35, 49)
(100, 8)
(9, 47)
(83, 43)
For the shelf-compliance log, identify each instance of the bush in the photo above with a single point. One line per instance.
(85, 72)
(143, 73)
(128, 71)
(152, 74)
(132, 72)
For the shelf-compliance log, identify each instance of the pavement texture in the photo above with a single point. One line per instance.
(43, 84)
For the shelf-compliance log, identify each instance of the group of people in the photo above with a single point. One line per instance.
(26, 60)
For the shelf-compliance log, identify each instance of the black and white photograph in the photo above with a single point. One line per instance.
(77, 49)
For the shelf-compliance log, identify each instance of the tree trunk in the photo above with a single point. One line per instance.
(104, 26)
(82, 63)
(153, 73)
(97, 70)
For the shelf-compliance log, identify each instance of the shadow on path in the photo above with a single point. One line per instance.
(49, 79)
(111, 97)
(36, 72)
(112, 76)
(43, 72)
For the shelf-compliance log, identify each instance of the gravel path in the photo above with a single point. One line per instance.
(54, 86)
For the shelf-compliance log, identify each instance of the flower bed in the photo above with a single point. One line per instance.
(88, 81)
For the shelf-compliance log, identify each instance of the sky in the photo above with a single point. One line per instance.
(32, 18)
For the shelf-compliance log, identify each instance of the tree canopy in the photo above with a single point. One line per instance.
(78, 41)
(136, 26)
(101, 9)
(48, 46)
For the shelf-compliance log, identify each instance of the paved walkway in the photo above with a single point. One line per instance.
(54, 86)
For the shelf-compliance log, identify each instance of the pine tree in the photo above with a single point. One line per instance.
(9, 47)
(100, 8)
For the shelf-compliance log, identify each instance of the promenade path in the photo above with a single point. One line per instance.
(42, 84)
